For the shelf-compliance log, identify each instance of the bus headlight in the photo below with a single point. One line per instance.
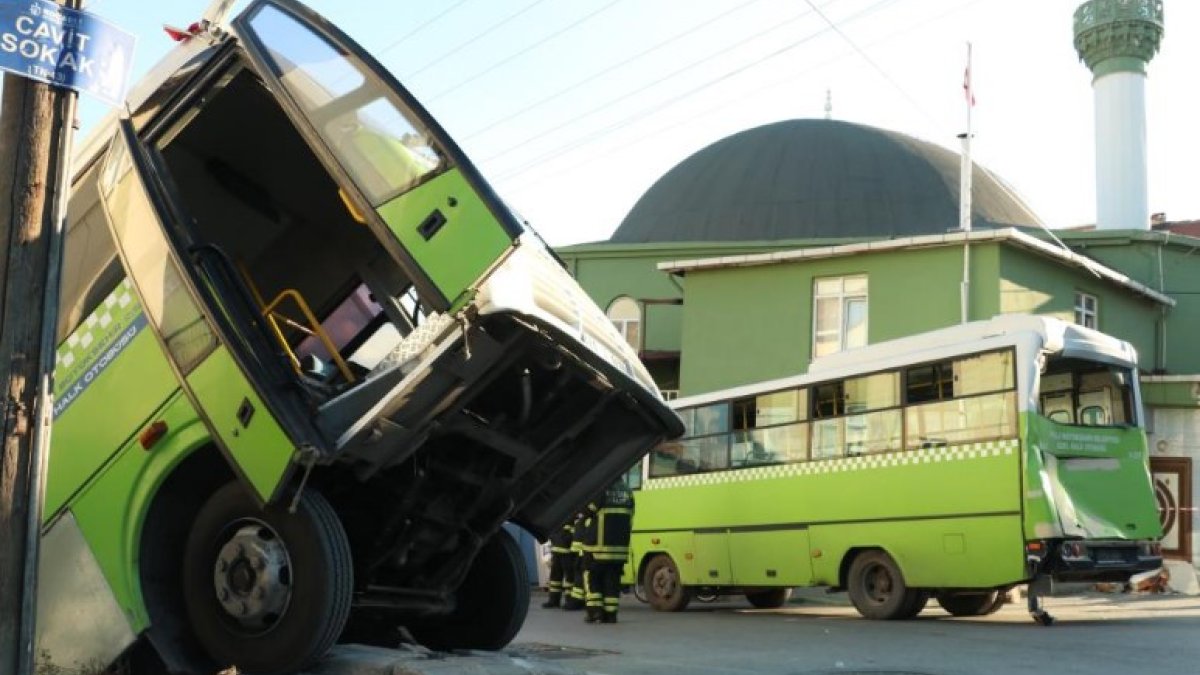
(1073, 551)
(1149, 549)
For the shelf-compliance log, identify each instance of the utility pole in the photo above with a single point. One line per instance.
(36, 123)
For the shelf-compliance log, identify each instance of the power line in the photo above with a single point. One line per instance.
(420, 27)
(523, 51)
(471, 40)
(656, 82)
(871, 61)
(605, 71)
(658, 131)
(669, 102)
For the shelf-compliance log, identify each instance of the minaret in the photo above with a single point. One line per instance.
(1116, 39)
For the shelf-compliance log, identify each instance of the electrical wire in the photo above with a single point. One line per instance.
(471, 40)
(660, 80)
(522, 52)
(594, 76)
(734, 100)
(869, 60)
(676, 99)
(400, 40)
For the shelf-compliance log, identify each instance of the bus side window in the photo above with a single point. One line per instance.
(664, 460)
(90, 269)
(828, 400)
(932, 382)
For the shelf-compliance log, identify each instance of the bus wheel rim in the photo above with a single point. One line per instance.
(252, 576)
(664, 583)
(878, 583)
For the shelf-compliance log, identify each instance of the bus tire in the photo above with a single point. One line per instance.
(266, 590)
(919, 600)
(490, 605)
(877, 588)
(969, 604)
(664, 589)
(769, 598)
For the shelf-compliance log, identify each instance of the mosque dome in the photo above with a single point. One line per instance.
(814, 179)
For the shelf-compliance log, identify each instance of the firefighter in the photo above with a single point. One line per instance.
(607, 550)
(573, 593)
(560, 549)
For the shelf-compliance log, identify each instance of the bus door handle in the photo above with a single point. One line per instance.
(245, 412)
(432, 224)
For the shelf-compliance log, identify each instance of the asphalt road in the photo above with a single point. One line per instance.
(816, 633)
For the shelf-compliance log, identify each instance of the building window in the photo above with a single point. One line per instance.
(1086, 309)
(839, 314)
(626, 315)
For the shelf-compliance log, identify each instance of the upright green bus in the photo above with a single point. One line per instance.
(954, 465)
(309, 364)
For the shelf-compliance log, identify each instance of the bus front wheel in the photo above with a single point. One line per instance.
(877, 587)
(266, 590)
(664, 590)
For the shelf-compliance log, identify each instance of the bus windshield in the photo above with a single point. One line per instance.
(1085, 393)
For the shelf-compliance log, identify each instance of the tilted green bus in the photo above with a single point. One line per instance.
(309, 364)
(953, 464)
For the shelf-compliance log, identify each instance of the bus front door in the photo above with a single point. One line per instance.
(398, 172)
(229, 402)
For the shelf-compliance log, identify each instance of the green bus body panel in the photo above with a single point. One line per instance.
(461, 251)
(110, 375)
(261, 448)
(711, 566)
(965, 552)
(1097, 480)
(771, 558)
(950, 516)
(112, 508)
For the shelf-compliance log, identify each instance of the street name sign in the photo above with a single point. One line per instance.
(66, 47)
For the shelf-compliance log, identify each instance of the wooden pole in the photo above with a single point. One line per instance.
(36, 122)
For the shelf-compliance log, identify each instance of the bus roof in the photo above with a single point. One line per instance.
(1040, 333)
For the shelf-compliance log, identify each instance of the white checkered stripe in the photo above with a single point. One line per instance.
(119, 307)
(955, 453)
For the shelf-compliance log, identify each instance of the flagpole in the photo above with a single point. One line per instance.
(964, 196)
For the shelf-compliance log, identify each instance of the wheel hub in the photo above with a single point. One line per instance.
(663, 583)
(878, 584)
(252, 576)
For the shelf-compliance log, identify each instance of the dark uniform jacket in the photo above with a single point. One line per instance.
(560, 540)
(608, 536)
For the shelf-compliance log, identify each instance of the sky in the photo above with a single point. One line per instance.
(573, 108)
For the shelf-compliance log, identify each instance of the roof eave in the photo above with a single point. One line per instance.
(1008, 235)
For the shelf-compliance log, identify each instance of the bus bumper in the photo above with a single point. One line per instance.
(1072, 561)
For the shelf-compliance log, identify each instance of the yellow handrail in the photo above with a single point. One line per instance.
(313, 329)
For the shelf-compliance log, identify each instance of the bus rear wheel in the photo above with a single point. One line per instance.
(769, 598)
(877, 588)
(969, 604)
(664, 590)
(491, 604)
(266, 590)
